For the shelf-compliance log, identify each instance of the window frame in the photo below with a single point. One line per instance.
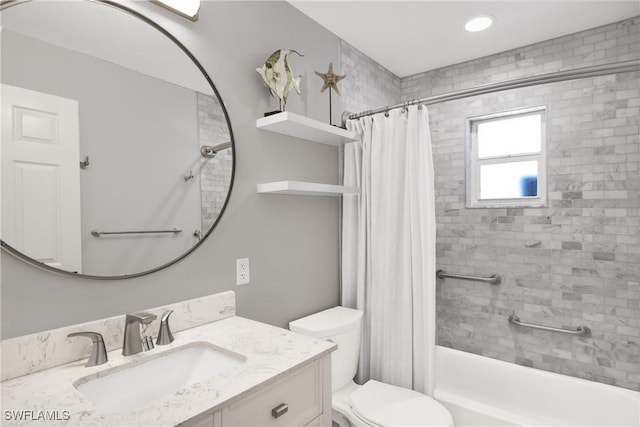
(474, 162)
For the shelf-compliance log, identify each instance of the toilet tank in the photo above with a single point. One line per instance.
(342, 326)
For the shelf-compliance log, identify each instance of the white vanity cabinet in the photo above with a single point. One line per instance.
(281, 379)
(300, 398)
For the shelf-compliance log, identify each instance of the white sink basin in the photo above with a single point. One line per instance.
(134, 386)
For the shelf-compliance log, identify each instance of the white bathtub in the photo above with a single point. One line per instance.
(480, 391)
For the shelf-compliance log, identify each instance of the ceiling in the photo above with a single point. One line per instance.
(409, 37)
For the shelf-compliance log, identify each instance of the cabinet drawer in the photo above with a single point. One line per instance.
(292, 401)
(315, 423)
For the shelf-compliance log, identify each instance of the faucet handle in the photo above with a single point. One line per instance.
(98, 352)
(164, 333)
(142, 317)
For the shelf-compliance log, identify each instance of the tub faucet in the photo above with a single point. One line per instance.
(135, 337)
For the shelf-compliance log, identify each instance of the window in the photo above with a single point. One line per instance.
(506, 159)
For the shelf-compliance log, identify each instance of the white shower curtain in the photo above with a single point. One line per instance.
(388, 246)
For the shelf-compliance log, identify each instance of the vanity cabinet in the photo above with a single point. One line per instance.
(278, 378)
(208, 421)
(295, 400)
(300, 398)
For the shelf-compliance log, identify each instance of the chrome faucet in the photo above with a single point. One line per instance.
(135, 336)
(98, 351)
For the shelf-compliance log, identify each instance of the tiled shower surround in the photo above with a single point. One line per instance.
(368, 84)
(575, 262)
(215, 173)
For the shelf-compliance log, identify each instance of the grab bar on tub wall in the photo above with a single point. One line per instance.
(494, 279)
(580, 331)
(98, 233)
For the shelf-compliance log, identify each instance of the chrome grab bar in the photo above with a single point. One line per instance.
(98, 233)
(494, 279)
(580, 331)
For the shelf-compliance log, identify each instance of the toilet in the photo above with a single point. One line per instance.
(374, 403)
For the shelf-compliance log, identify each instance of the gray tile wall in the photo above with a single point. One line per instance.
(368, 84)
(215, 173)
(602, 45)
(575, 262)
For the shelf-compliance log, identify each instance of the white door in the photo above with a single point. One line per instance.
(41, 177)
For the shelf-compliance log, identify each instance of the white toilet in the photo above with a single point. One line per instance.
(374, 403)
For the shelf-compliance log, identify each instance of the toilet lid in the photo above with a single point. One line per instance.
(387, 405)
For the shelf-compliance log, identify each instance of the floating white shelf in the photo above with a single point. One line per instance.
(291, 124)
(300, 188)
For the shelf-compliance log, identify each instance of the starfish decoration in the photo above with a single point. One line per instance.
(330, 80)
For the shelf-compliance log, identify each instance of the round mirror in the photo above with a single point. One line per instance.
(117, 151)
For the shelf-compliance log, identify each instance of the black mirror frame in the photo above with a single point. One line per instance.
(5, 4)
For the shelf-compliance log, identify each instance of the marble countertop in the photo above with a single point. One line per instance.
(270, 353)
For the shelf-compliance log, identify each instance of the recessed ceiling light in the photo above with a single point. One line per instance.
(479, 23)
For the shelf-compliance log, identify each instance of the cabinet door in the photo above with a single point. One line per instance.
(295, 400)
(206, 421)
(315, 423)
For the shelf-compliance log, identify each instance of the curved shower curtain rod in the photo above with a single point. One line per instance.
(556, 76)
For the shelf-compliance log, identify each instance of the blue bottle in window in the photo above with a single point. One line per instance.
(529, 186)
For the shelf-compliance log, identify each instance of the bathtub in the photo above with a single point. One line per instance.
(480, 391)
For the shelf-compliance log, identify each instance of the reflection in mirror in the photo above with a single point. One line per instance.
(102, 170)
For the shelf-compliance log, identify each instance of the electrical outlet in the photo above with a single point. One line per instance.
(242, 271)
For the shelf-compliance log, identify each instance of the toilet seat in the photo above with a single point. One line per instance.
(385, 405)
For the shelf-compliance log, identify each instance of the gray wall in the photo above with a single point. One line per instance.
(574, 262)
(135, 177)
(368, 84)
(292, 241)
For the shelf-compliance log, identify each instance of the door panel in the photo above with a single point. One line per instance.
(41, 177)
